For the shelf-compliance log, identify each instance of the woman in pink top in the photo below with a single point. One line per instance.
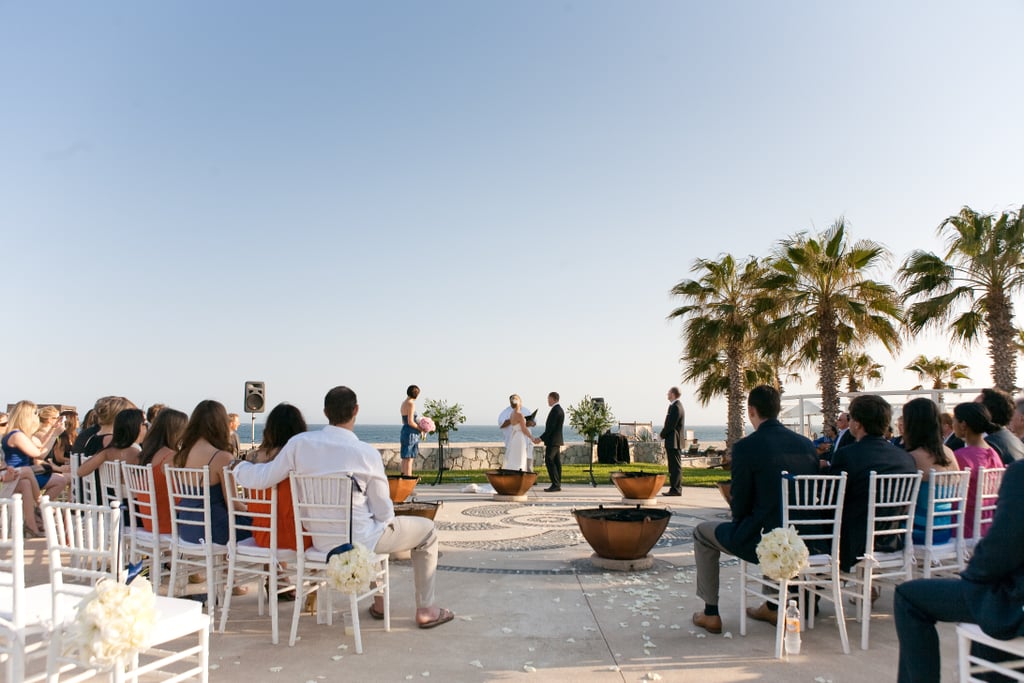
(971, 421)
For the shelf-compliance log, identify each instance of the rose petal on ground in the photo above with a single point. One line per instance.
(276, 669)
(476, 663)
(506, 629)
(570, 640)
(338, 658)
(727, 634)
(529, 669)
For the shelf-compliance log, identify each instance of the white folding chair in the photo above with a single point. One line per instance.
(22, 617)
(891, 501)
(323, 509)
(84, 545)
(947, 510)
(189, 492)
(246, 560)
(83, 489)
(111, 482)
(986, 493)
(813, 505)
(969, 664)
(140, 490)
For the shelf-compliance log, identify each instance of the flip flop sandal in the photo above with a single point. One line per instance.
(443, 617)
(375, 614)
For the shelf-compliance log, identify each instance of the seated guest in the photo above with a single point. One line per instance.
(336, 449)
(971, 421)
(869, 415)
(206, 443)
(94, 439)
(922, 433)
(11, 482)
(1000, 407)
(61, 450)
(1017, 421)
(823, 444)
(129, 430)
(25, 454)
(757, 463)
(158, 449)
(949, 436)
(48, 418)
(989, 592)
(283, 422)
(233, 422)
(898, 440)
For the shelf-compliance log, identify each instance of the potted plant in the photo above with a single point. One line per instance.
(447, 418)
(591, 418)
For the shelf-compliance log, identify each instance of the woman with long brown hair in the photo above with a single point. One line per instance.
(206, 442)
(158, 449)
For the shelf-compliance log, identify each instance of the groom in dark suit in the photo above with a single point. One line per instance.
(552, 440)
(672, 432)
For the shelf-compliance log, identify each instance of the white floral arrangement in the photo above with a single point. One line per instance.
(114, 622)
(351, 571)
(782, 553)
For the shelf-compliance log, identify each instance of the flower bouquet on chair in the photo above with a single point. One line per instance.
(782, 554)
(350, 568)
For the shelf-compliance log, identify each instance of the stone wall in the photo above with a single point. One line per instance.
(488, 456)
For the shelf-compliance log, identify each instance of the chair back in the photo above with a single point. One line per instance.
(83, 545)
(188, 489)
(83, 489)
(986, 494)
(891, 502)
(12, 562)
(111, 482)
(258, 510)
(323, 509)
(140, 490)
(947, 504)
(813, 505)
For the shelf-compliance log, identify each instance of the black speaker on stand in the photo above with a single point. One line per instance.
(255, 401)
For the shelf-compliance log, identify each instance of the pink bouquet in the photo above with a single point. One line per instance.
(426, 424)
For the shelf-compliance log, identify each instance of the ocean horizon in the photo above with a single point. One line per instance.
(471, 433)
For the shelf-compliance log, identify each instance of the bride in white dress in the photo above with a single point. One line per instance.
(519, 442)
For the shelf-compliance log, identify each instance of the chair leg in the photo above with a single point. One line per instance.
(226, 606)
(353, 606)
(300, 601)
(272, 601)
(865, 610)
(387, 596)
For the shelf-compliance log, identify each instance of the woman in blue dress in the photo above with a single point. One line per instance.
(206, 441)
(923, 440)
(410, 437)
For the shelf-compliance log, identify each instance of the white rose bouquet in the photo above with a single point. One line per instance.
(782, 553)
(351, 571)
(114, 622)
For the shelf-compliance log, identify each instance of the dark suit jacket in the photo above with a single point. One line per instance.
(954, 442)
(675, 420)
(995, 574)
(552, 435)
(1006, 444)
(859, 460)
(845, 439)
(757, 461)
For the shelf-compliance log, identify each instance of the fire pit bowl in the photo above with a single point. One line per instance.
(638, 485)
(417, 509)
(511, 482)
(622, 533)
(401, 486)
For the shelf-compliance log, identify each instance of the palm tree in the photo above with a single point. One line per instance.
(826, 302)
(718, 331)
(981, 270)
(942, 372)
(858, 368)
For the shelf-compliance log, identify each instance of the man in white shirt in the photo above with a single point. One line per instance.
(336, 449)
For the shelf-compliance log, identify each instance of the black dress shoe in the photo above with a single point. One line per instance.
(553, 489)
(673, 493)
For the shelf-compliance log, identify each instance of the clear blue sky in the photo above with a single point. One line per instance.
(476, 197)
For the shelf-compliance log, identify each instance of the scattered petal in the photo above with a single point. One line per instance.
(214, 667)
(409, 677)
(343, 646)
(675, 627)
(476, 663)
(531, 649)
(276, 669)
(570, 640)
(466, 618)
(727, 634)
(529, 669)
(702, 635)
(651, 676)
(506, 629)
(425, 674)
(613, 668)
(589, 628)
(338, 658)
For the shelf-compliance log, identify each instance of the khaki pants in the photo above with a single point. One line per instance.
(706, 553)
(418, 535)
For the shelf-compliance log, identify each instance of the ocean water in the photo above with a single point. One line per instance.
(470, 433)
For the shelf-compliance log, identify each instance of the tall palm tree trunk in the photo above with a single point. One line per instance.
(734, 431)
(1001, 347)
(827, 369)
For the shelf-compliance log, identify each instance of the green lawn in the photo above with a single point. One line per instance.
(580, 474)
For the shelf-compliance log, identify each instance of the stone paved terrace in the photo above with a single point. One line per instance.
(531, 607)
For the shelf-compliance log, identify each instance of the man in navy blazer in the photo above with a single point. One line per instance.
(552, 440)
(869, 416)
(989, 593)
(757, 463)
